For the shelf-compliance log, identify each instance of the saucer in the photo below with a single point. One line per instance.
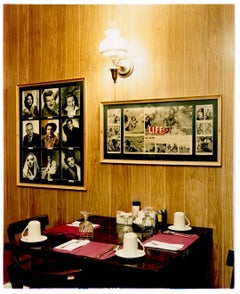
(173, 228)
(139, 253)
(41, 239)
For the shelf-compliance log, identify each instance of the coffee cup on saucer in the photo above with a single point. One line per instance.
(130, 244)
(33, 231)
(181, 222)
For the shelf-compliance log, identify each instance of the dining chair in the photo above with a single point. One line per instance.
(31, 271)
(230, 262)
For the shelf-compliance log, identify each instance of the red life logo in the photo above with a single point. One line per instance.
(157, 130)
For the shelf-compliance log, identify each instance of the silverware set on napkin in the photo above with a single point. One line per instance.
(108, 251)
(72, 244)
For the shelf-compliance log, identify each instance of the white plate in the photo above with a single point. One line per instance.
(140, 253)
(41, 239)
(173, 228)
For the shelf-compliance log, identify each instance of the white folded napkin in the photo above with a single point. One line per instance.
(76, 224)
(163, 245)
(72, 244)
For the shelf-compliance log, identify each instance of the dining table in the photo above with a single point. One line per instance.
(170, 259)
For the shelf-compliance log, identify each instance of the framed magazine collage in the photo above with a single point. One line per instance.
(50, 134)
(168, 131)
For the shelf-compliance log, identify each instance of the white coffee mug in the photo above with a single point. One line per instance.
(130, 244)
(180, 220)
(34, 231)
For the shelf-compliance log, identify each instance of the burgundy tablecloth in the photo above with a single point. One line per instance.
(92, 249)
(173, 239)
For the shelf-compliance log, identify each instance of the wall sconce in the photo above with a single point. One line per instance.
(115, 47)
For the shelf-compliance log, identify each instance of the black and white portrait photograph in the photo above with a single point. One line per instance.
(50, 133)
(31, 168)
(50, 165)
(70, 101)
(30, 104)
(31, 136)
(50, 102)
(71, 166)
(71, 133)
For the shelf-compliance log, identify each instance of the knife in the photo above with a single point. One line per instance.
(179, 234)
(106, 251)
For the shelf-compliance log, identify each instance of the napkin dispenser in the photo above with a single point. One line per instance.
(122, 216)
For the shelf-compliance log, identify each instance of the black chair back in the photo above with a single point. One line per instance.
(28, 270)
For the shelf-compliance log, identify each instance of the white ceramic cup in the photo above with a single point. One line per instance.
(34, 231)
(180, 220)
(130, 244)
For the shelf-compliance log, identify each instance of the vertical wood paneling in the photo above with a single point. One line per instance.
(50, 59)
(23, 43)
(11, 40)
(215, 54)
(220, 42)
(175, 188)
(196, 195)
(35, 43)
(72, 41)
(178, 50)
(157, 187)
(62, 50)
(121, 187)
(195, 53)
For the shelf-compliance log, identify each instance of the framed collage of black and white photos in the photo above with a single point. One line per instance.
(51, 121)
(166, 131)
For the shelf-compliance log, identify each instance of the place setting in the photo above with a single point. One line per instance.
(72, 228)
(98, 250)
(130, 248)
(173, 239)
(181, 223)
(32, 234)
(84, 245)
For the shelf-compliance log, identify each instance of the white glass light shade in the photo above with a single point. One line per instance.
(113, 45)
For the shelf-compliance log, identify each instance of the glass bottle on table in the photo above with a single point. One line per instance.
(85, 227)
(127, 228)
(148, 223)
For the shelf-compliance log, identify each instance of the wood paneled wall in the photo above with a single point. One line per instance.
(178, 50)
